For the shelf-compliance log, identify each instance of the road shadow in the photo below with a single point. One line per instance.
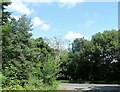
(101, 89)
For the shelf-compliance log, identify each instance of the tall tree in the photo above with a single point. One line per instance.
(106, 52)
(4, 15)
(79, 60)
(16, 50)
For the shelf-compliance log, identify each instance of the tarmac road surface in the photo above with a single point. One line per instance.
(90, 87)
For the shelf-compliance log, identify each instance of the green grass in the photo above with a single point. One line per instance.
(90, 82)
(105, 82)
(63, 81)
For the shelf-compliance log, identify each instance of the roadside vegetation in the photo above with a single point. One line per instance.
(33, 64)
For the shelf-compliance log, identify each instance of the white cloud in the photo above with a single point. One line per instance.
(38, 22)
(45, 26)
(72, 35)
(69, 3)
(19, 6)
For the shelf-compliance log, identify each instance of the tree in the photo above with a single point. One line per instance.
(106, 52)
(46, 59)
(95, 60)
(26, 62)
(16, 50)
(26, 59)
(79, 60)
(63, 64)
(4, 15)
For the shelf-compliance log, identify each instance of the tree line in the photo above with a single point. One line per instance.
(95, 60)
(29, 63)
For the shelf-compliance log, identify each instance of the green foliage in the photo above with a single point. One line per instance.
(63, 64)
(79, 59)
(27, 63)
(4, 15)
(15, 48)
(31, 64)
(95, 60)
(106, 51)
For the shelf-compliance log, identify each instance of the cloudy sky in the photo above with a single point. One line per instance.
(69, 19)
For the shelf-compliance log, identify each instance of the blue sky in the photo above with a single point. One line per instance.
(69, 19)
